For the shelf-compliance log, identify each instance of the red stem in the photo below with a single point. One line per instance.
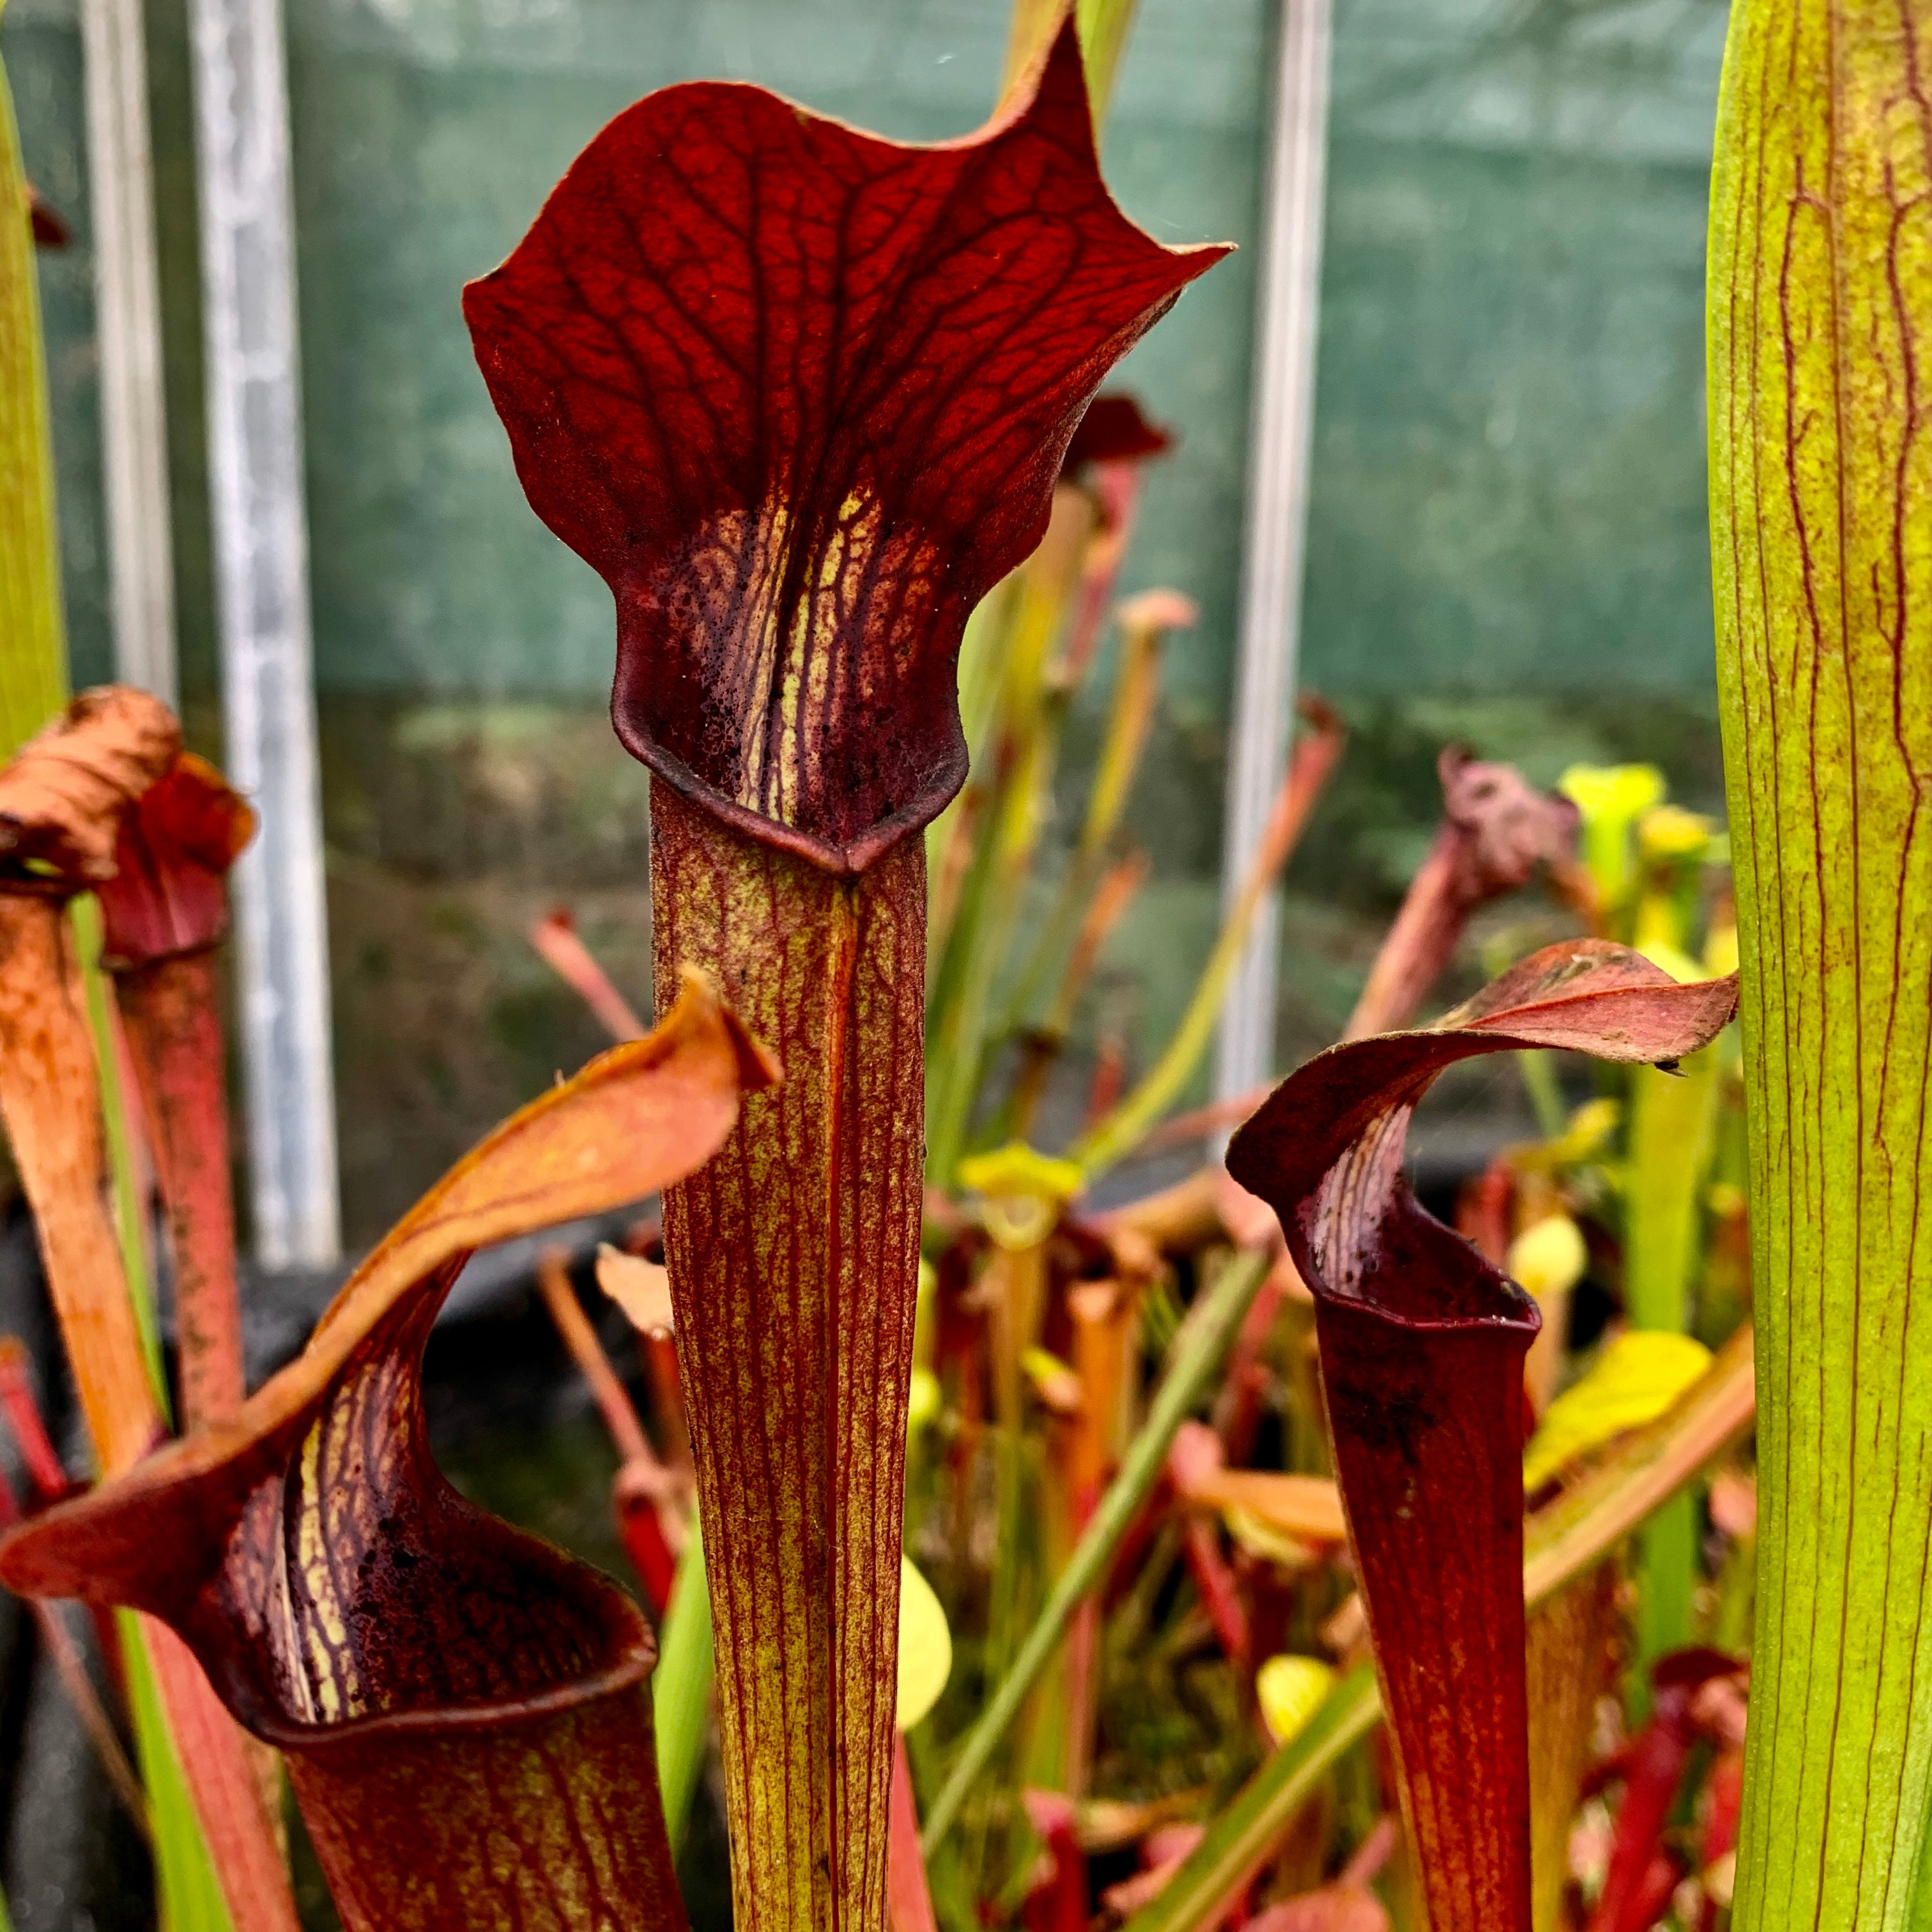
(1215, 1583)
(641, 1491)
(667, 1400)
(554, 936)
(171, 1020)
(1116, 489)
(1418, 945)
(170, 1009)
(794, 1258)
(1059, 1904)
(21, 1409)
(909, 1896)
(1653, 1769)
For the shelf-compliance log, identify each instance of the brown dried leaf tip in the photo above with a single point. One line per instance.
(63, 795)
(459, 1704)
(1497, 830)
(169, 892)
(1507, 827)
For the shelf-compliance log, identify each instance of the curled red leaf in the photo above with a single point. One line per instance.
(459, 1704)
(1422, 1344)
(169, 892)
(799, 395)
(1114, 429)
(63, 796)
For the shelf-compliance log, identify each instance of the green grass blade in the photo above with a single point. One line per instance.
(681, 1688)
(131, 1211)
(1194, 1361)
(33, 665)
(1103, 25)
(1673, 1122)
(188, 1891)
(33, 687)
(1243, 1835)
(1118, 1132)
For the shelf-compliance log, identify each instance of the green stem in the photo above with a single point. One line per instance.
(1117, 1132)
(681, 1684)
(1193, 1362)
(1129, 716)
(1666, 1574)
(131, 1207)
(1246, 1832)
(33, 662)
(1671, 1121)
(190, 1893)
(1819, 323)
(1104, 25)
(982, 669)
(33, 665)
(1032, 713)
(1546, 1095)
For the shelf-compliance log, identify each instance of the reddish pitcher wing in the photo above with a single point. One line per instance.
(459, 1704)
(1422, 1344)
(799, 394)
(169, 894)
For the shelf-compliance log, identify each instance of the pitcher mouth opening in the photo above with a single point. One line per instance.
(632, 1668)
(845, 860)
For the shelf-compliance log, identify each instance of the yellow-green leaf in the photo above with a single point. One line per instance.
(1634, 1380)
(1669, 834)
(925, 1646)
(1673, 959)
(1549, 1257)
(1260, 1538)
(1056, 1384)
(1018, 1169)
(1611, 799)
(1023, 1191)
(923, 1401)
(1589, 1133)
(33, 666)
(1290, 1690)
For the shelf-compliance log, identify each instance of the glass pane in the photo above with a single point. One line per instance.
(1508, 541)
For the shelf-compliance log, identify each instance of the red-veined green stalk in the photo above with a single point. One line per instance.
(1819, 323)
